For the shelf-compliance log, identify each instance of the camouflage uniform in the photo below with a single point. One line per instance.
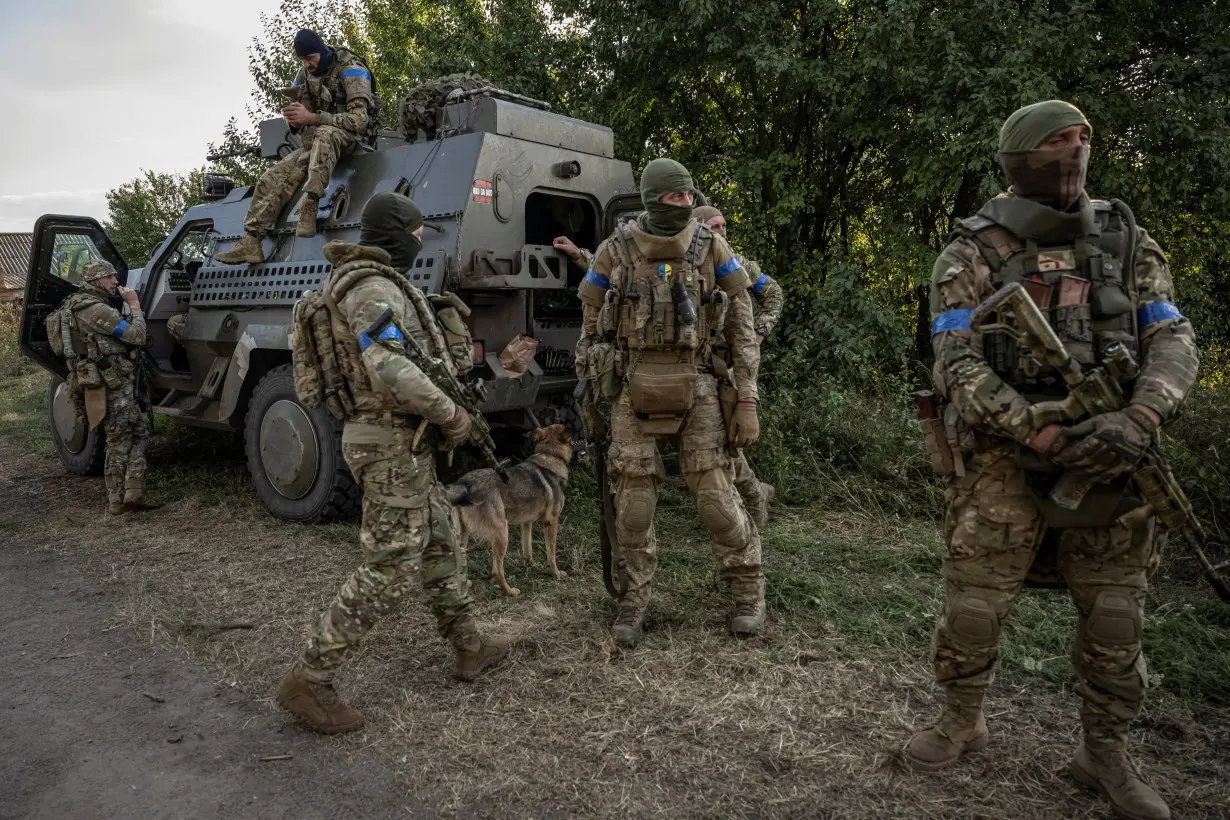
(406, 528)
(634, 461)
(346, 103)
(112, 345)
(768, 310)
(993, 522)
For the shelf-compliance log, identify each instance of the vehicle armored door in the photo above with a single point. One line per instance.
(63, 246)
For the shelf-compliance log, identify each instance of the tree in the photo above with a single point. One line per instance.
(144, 210)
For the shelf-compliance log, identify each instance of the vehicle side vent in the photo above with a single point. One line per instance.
(269, 285)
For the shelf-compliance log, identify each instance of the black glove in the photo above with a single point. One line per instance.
(1108, 445)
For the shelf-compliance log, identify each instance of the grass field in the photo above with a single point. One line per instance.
(805, 721)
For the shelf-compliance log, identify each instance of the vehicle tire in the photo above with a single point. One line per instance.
(295, 454)
(80, 449)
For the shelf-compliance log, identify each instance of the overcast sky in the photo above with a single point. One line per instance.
(98, 90)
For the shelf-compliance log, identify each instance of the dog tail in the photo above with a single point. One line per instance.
(458, 495)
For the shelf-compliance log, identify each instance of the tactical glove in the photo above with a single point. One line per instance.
(456, 430)
(744, 425)
(1108, 445)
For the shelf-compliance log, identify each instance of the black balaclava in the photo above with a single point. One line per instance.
(309, 42)
(388, 222)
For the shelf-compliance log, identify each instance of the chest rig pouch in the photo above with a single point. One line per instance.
(662, 330)
(1083, 286)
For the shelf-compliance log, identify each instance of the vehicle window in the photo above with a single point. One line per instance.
(70, 254)
(178, 263)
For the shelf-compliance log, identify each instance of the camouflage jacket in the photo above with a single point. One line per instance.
(961, 279)
(769, 297)
(738, 336)
(344, 97)
(389, 379)
(104, 330)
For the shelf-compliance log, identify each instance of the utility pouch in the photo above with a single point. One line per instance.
(602, 371)
(662, 389)
(457, 337)
(110, 373)
(935, 433)
(608, 315)
(88, 375)
(1109, 295)
(728, 398)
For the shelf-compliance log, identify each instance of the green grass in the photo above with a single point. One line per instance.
(854, 563)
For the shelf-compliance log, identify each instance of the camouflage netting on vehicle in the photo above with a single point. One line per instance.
(420, 105)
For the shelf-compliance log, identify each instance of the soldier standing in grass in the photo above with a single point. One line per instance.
(335, 104)
(769, 303)
(1111, 284)
(407, 527)
(666, 306)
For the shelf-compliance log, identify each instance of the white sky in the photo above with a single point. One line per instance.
(97, 90)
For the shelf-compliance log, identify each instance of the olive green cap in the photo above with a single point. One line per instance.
(1029, 127)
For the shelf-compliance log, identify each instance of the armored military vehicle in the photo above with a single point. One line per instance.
(502, 177)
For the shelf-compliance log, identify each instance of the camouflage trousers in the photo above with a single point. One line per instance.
(313, 161)
(406, 532)
(124, 467)
(636, 469)
(994, 529)
(746, 481)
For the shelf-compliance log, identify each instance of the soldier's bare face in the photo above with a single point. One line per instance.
(1070, 137)
(681, 198)
(310, 61)
(109, 283)
(717, 224)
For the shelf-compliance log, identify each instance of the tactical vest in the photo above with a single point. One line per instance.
(94, 359)
(329, 94)
(327, 360)
(1084, 287)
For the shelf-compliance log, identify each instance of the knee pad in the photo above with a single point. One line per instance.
(720, 507)
(636, 499)
(971, 618)
(1116, 619)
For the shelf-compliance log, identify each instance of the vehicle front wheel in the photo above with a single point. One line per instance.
(81, 450)
(295, 454)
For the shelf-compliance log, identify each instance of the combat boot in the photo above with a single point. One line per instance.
(956, 732)
(316, 704)
(307, 216)
(627, 627)
(747, 618)
(116, 508)
(478, 656)
(247, 250)
(1117, 778)
(135, 500)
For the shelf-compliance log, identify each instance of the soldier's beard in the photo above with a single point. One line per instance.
(1049, 176)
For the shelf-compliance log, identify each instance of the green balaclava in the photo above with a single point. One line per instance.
(660, 177)
(388, 222)
(1054, 177)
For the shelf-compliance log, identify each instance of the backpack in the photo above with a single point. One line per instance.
(420, 105)
(61, 325)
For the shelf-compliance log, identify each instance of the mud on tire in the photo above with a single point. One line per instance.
(295, 455)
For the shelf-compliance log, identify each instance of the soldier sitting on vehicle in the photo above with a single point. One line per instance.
(334, 102)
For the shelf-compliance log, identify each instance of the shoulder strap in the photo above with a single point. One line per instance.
(628, 256)
(995, 243)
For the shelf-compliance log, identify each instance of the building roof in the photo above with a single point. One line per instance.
(14, 259)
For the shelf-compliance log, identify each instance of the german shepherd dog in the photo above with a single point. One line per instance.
(484, 506)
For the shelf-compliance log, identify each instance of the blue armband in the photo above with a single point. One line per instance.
(355, 71)
(756, 288)
(389, 334)
(119, 329)
(727, 268)
(597, 280)
(1156, 312)
(951, 320)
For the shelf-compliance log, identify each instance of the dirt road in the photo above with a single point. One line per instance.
(97, 723)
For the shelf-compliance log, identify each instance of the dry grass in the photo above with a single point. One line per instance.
(806, 721)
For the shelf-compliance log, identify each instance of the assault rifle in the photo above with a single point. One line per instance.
(1090, 393)
(599, 437)
(468, 397)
